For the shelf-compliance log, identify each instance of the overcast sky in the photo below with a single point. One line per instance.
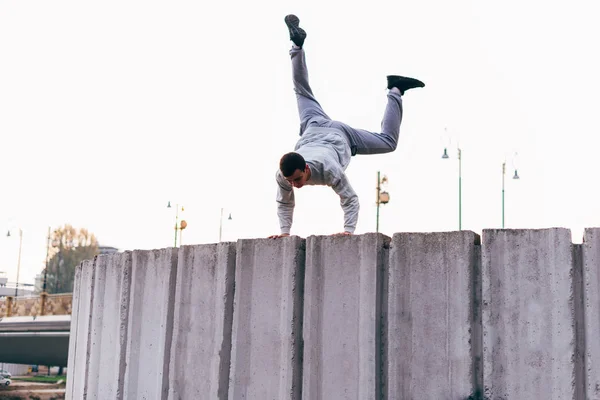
(108, 110)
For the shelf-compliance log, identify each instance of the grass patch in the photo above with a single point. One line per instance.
(42, 378)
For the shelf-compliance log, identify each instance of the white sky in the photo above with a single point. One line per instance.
(110, 109)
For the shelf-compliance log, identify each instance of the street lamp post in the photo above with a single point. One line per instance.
(445, 156)
(47, 262)
(459, 189)
(383, 197)
(503, 175)
(59, 263)
(515, 176)
(18, 260)
(221, 224)
(181, 225)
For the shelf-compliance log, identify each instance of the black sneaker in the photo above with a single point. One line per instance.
(403, 83)
(297, 34)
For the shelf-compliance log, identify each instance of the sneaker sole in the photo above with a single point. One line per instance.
(293, 24)
(409, 82)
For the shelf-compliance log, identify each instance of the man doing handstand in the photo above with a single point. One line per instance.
(323, 152)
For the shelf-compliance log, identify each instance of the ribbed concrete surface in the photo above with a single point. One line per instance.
(342, 317)
(267, 319)
(358, 317)
(433, 314)
(150, 324)
(108, 329)
(79, 341)
(591, 315)
(528, 314)
(201, 345)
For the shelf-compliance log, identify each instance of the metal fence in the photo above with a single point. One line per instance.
(31, 306)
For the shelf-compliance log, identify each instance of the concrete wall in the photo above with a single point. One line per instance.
(513, 315)
(15, 369)
(528, 315)
(202, 322)
(267, 320)
(342, 317)
(434, 322)
(590, 351)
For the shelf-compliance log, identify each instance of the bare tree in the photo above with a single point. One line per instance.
(70, 247)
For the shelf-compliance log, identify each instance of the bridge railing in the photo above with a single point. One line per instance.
(31, 306)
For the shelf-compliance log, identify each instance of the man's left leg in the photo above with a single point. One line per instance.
(310, 111)
(366, 142)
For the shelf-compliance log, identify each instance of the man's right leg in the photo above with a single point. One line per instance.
(309, 109)
(366, 142)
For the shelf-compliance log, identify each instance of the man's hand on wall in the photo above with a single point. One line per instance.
(279, 236)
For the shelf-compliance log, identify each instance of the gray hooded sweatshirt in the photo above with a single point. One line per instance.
(327, 153)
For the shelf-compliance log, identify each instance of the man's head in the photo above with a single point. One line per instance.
(294, 169)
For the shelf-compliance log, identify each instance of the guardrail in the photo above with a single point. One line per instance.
(46, 323)
(31, 306)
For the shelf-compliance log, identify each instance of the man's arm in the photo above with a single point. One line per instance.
(285, 203)
(348, 201)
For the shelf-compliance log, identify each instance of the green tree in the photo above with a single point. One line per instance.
(70, 247)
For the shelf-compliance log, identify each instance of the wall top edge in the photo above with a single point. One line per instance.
(557, 228)
(588, 234)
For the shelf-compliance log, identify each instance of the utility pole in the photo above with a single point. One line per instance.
(383, 197)
(459, 189)
(221, 224)
(378, 200)
(19, 262)
(446, 156)
(178, 227)
(47, 262)
(503, 174)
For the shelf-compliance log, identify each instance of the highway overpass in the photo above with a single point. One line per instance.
(39, 340)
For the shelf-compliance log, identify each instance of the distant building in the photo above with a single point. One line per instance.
(8, 289)
(39, 283)
(107, 250)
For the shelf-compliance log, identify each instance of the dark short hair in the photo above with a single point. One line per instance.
(290, 162)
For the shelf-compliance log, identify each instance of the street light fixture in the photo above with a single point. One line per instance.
(515, 176)
(19, 259)
(446, 156)
(221, 224)
(178, 227)
(383, 197)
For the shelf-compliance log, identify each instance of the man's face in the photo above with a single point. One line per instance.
(298, 178)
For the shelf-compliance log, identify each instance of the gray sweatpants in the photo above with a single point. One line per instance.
(361, 141)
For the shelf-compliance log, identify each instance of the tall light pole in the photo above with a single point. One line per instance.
(18, 260)
(459, 189)
(221, 224)
(178, 227)
(383, 197)
(47, 261)
(515, 176)
(503, 175)
(445, 156)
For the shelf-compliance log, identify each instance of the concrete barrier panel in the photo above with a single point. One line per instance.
(267, 319)
(528, 315)
(342, 317)
(201, 346)
(108, 331)
(433, 314)
(150, 324)
(591, 315)
(79, 341)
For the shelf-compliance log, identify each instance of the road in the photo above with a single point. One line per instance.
(25, 390)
